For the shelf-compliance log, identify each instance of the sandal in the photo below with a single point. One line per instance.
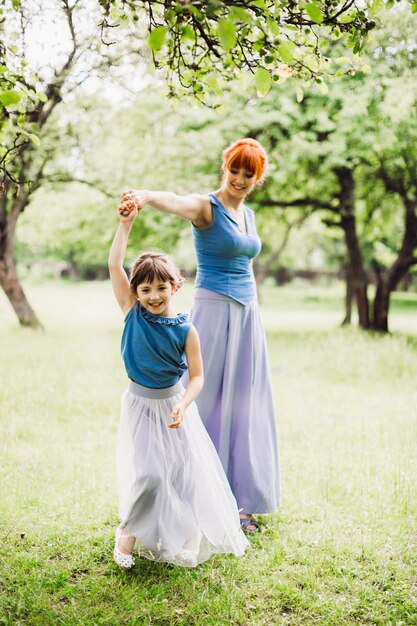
(125, 561)
(245, 522)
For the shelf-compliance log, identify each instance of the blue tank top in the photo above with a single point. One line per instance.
(224, 254)
(153, 347)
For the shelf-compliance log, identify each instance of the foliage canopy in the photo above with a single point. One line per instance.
(204, 45)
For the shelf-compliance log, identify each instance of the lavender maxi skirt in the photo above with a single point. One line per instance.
(173, 493)
(236, 403)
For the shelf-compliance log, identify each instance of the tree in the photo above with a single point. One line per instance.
(322, 149)
(78, 58)
(352, 157)
(146, 147)
(203, 45)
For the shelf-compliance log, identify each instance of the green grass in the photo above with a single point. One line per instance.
(341, 550)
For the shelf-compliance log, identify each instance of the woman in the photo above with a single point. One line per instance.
(236, 403)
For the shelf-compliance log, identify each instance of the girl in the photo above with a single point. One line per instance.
(175, 502)
(236, 404)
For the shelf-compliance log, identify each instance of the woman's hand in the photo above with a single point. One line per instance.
(138, 196)
(127, 211)
(177, 415)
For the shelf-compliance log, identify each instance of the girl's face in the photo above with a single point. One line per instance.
(156, 297)
(239, 182)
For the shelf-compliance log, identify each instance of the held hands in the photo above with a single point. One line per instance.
(132, 201)
(127, 211)
(177, 415)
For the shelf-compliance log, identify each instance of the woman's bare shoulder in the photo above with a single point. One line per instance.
(203, 206)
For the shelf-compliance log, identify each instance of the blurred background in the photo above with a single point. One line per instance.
(338, 208)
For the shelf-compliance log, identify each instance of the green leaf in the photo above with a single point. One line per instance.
(15, 4)
(170, 16)
(35, 139)
(262, 81)
(157, 38)
(227, 33)
(314, 13)
(115, 14)
(188, 34)
(299, 93)
(273, 26)
(240, 15)
(42, 97)
(212, 82)
(286, 51)
(259, 44)
(10, 97)
(414, 7)
(191, 9)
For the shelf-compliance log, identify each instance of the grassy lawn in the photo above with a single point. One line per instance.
(341, 550)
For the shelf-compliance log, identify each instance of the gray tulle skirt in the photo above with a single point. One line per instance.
(173, 493)
(236, 404)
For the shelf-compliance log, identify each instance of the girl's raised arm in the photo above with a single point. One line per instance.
(120, 282)
(194, 207)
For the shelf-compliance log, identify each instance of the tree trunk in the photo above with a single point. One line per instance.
(348, 223)
(348, 298)
(389, 279)
(10, 284)
(381, 304)
(73, 270)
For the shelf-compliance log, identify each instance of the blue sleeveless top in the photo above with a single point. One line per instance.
(224, 254)
(153, 347)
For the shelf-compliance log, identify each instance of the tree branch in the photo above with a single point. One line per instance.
(70, 179)
(300, 202)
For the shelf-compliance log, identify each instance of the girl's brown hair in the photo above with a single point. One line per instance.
(150, 265)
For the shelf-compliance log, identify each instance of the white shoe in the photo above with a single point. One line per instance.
(125, 561)
(188, 556)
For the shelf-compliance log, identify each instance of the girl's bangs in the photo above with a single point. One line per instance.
(149, 273)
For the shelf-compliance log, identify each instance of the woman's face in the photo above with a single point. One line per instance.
(239, 182)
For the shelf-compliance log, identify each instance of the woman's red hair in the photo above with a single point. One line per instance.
(249, 154)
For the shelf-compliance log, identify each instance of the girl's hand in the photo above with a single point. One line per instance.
(127, 211)
(138, 196)
(177, 415)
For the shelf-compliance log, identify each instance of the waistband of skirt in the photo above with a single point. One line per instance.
(201, 293)
(155, 394)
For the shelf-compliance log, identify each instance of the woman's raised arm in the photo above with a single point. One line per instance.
(194, 207)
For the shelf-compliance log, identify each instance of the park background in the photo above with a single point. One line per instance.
(338, 219)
